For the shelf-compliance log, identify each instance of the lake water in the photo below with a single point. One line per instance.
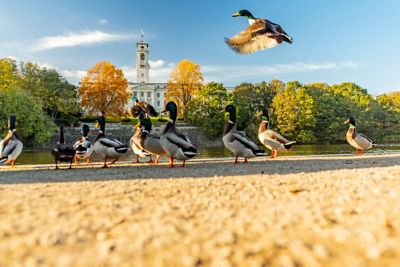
(44, 157)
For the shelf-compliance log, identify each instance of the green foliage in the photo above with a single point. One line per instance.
(250, 99)
(58, 97)
(312, 113)
(32, 124)
(205, 109)
(8, 74)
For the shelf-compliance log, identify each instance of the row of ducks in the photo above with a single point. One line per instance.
(171, 143)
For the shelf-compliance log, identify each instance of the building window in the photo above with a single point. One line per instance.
(158, 95)
(158, 103)
(141, 94)
(142, 56)
(142, 47)
(142, 74)
(135, 94)
(148, 94)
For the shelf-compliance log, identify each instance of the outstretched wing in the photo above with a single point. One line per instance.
(258, 36)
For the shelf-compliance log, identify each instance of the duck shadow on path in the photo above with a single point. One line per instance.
(198, 169)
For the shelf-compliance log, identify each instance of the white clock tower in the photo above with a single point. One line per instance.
(142, 61)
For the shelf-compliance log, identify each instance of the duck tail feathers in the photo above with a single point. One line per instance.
(3, 159)
(287, 38)
(121, 149)
(260, 153)
(189, 151)
(289, 145)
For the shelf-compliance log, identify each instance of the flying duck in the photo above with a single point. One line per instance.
(106, 147)
(261, 34)
(356, 139)
(11, 146)
(62, 152)
(149, 142)
(175, 144)
(135, 142)
(271, 139)
(238, 143)
(83, 147)
(142, 106)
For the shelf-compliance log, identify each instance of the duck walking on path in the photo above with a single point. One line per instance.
(11, 146)
(83, 147)
(62, 152)
(175, 144)
(238, 143)
(271, 139)
(261, 34)
(149, 142)
(135, 142)
(357, 140)
(106, 147)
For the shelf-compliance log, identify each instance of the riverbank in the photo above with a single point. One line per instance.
(292, 211)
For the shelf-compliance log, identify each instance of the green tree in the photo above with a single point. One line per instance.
(8, 74)
(250, 99)
(204, 110)
(56, 95)
(293, 113)
(32, 124)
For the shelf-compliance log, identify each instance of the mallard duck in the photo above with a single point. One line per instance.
(238, 143)
(143, 106)
(11, 146)
(83, 147)
(62, 152)
(135, 142)
(175, 144)
(106, 147)
(355, 139)
(271, 139)
(149, 142)
(261, 34)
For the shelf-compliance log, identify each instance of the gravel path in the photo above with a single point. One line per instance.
(292, 211)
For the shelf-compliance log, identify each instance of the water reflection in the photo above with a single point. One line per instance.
(44, 157)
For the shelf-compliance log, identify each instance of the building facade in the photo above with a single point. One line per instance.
(143, 89)
(152, 93)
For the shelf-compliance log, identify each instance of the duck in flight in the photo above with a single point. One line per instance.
(261, 34)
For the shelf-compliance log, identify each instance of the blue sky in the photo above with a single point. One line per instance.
(334, 41)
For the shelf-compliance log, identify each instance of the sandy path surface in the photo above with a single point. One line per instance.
(293, 211)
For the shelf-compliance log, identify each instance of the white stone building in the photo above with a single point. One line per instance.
(143, 89)
(152, 93)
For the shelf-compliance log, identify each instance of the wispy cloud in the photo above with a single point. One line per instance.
(159, 71)
(228, 74)
(74, 75)
(103, 21)
(84, 38)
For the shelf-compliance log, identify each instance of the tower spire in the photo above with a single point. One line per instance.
(142, 34)
(142, 60)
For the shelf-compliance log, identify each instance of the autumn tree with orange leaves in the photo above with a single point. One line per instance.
(186, 80)
(104, 90)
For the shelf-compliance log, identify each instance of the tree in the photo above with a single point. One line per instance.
(250, 99)
(293, 113)
(204, 110)
(104, 90)
(8, 74)
(32, 123)
(186, 80)
(56, 95)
